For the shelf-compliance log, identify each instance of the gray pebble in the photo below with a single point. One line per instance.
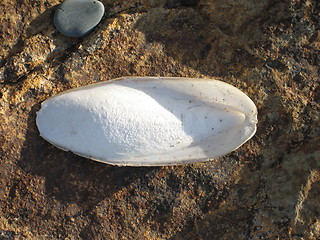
(76, 18)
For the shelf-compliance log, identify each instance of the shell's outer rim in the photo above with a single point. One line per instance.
(144, 78)
(153, 164)
(129, 163)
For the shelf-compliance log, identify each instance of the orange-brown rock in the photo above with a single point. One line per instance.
(267, 189)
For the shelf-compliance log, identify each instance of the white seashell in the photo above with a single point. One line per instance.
(149, 121)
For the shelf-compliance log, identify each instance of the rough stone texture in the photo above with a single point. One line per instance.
(267, 189)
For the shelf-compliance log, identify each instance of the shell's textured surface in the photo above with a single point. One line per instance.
(149, 121)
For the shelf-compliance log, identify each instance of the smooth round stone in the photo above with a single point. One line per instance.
(76, 18)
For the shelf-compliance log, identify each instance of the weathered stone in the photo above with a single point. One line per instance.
(266, 189)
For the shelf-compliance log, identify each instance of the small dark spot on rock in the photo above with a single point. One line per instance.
(276, 64)
(181, 3)
(9, 74)
(245, 58)
(180, 23)
(7, 235)
(317, 94)
(297, 78)
(205, 51)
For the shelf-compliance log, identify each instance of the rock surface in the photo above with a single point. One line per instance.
(267, 189)
(77, 18)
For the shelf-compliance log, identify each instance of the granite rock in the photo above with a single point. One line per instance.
(267, 189)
